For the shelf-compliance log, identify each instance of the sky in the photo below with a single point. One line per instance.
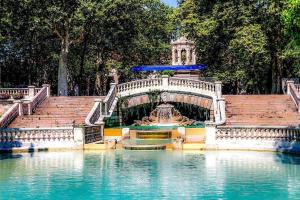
(171, 2)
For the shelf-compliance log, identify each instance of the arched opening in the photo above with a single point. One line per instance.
(191, 55)
(176, 55)
(181, 114)
(183, 56)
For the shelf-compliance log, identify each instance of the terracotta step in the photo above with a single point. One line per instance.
(276, 110)
(57, 112)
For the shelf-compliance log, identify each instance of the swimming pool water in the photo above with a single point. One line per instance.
(150, 175)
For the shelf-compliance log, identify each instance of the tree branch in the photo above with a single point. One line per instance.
(79, 39)
(56, 32)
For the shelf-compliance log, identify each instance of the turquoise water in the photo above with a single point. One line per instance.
(150, 175)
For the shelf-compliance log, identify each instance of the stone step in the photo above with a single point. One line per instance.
(57, 112)
(270, 110)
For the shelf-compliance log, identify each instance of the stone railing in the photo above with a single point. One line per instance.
(258, 133)
(110, 99)
(155, 83)
(194, 84)
(9, 115)
(94, 114)
(167, 84)
(25, 106)
(297, 86)
(30, 105)
(293, 91)
(29, 92)
(92, 134)
(12, 138)
(11, 91)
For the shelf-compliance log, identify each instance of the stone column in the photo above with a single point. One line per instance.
(48, 89)
(31, 90)
(165, 81)
(79, 136)
(19, 102)
(221, 107)
(218, 87)
(210, 135)
(188, 55)
(173, 56)
(288, 87)
(179, 57)
(102, 129)
(194, 57)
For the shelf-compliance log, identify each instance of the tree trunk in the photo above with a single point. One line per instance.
(276, 73)
(62, 88)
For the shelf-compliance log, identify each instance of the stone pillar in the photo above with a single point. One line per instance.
(179, 57)
(288, 87)
(29, 108)
(48, 89)
(194, 57)
(221, 107)
(210, 135)
(173, 56)
(188, 55)
(218, 87)
(165, 81)
(31, 90)
(102, 129)
(79, 134)
(19, 102)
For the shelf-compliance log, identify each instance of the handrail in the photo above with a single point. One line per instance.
(109, 100)
(293, 92)
(9, 115)
(94, 114)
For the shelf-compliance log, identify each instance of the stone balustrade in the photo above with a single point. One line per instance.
(153, 84)
(297, 86)
(11, 91)
(25, 106)
(43, 138)
(258, 133)
(167, 84)
(9, 115)
(194, 84)
(38, 134)
(293, 91)
(94, 114)
(109, 100)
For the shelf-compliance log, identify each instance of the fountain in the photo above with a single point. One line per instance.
(165, 115)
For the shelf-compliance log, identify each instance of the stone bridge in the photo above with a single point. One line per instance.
(200, 93)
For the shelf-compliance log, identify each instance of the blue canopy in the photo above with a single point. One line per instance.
(168, 67)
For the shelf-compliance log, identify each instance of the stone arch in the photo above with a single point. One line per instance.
(172, 97)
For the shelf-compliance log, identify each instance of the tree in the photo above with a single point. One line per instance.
(219, 29)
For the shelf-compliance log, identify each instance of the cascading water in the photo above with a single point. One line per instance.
(164, 113)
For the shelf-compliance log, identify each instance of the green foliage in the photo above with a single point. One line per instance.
(88, 38)
(242, 42)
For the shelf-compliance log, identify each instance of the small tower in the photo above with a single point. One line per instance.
(183, 52)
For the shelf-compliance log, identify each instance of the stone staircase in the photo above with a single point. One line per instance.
(261, 110)
(57, 112)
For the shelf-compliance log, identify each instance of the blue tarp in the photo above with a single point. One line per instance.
(167, 67)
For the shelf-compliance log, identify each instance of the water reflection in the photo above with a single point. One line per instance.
(151, 175)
